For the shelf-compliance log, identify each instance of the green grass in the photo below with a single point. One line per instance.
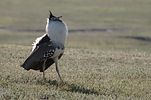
(109, 65)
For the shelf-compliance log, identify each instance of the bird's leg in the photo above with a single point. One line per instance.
(43, 68)
(56, 63)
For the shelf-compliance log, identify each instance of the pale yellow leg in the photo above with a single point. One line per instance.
(56, 63)
(44, 65)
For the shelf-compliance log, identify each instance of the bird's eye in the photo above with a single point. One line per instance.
(53, 18)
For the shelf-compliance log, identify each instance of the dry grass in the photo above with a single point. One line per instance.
(88, 73)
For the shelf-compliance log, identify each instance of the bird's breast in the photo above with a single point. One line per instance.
(57, 31)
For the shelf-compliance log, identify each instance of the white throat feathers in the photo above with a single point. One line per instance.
(57, 31)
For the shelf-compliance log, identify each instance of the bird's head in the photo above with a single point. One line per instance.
(54, 18)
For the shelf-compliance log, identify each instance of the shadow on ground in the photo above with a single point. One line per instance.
(73, 87)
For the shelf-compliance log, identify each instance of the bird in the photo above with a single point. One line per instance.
(49, 48)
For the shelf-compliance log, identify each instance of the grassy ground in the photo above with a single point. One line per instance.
(113, 63)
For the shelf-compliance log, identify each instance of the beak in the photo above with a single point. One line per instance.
(59, 17)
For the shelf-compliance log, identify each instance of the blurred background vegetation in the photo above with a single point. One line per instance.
(111, 23)
(82, 14)
(121, 14)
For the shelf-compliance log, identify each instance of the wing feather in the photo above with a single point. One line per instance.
(37, 57)
(40, 40)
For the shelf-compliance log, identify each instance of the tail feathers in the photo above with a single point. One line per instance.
(23, 65)
(37, 65)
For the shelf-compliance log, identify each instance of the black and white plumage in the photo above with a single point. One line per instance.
(48, 48)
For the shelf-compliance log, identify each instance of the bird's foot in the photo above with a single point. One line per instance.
(60, 84)
(44, 79)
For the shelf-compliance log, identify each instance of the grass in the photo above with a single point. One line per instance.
(90, 74)
(113, 72)
(111, 64)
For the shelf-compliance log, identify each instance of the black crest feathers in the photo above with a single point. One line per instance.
(50, 14)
